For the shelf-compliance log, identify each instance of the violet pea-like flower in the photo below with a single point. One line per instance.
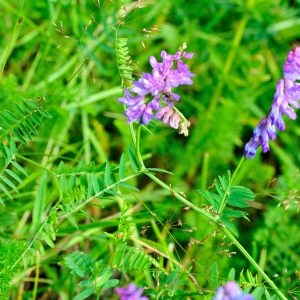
(154, 91)
(131, 292)
(231, 291)
(286, 100)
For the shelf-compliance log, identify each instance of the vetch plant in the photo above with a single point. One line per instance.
(87, 210)
(227, 196)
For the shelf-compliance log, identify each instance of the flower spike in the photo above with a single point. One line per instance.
(286, 100)
(152, 95)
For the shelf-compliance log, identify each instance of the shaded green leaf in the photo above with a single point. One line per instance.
(122, 166)
(107, 175)
(85, 293)
(159, 170)
(20, 168)
(128, 186)
(45, 237)
(5, 191)
(133, 160)
(13, 175)
(9, 183)
(110, 283)
(239, 195)
(19, 136)
(94, 182)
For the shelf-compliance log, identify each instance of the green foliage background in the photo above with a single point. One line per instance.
(62, 54)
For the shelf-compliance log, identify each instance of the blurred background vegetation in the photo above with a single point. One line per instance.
(64, 52)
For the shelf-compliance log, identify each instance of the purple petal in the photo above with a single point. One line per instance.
(231, 291)
(131, 292)
(167, 74)
(187, 55)
(291, 67)
(286, 100)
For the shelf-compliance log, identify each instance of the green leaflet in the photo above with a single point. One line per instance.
(95, 275)
(130, 258)
(18, 125)
(22, 121)
(236, 197)
(86, 180)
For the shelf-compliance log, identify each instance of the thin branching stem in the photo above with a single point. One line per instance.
(225, 195)
(30, 245)
(179, 196)
(137, 146)
(84, 203)
(254, 263)
(206, 213)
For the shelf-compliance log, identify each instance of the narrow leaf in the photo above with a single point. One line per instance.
(128, 186)
(25, 131)
(30, 126)
(133, 159)
(5, 190)
(122, 166)
(94, 182)
(13, 175)
(19, 136)
(9, 183)
(39, 202)
(36, 120)
(107, 175)
(159, 170)
(17, 166)
(45, 237)
(6, 124)
(110, 283)
(63, 182)
(85, 293)
(12, 147)
(19, 111)
(44, 113)
(81, 166)
(10, 117)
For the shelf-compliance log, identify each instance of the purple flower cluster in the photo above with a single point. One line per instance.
(286, 99)
(154, 91)
(131, 292)
(231, 291)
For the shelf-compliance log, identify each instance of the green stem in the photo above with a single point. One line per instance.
(225, 195)
(85, 202)
(226, 231)
(179, 196)
(254, 263)
(29, 245)
(229, 60)
(206, 213)
(137, 148)
(12, 38)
